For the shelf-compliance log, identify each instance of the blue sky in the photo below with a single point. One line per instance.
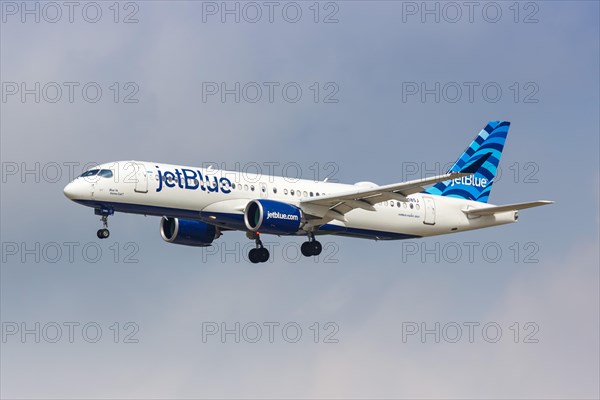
(548, 74)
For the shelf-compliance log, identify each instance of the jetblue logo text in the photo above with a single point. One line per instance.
(469, 181)
(192, 180)
(278, 215)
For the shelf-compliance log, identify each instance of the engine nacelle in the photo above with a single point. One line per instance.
(187, 232)
(273, 217)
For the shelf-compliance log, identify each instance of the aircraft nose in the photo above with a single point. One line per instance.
(71, 191)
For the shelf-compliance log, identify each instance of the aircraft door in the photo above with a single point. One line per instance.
(141, 179)
(429, 211)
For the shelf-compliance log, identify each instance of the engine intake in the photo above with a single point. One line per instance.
(273, 217)
(187, 232)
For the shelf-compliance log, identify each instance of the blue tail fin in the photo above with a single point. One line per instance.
(478, 186)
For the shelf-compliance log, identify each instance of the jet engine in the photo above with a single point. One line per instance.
(187, 232)
(275, 217)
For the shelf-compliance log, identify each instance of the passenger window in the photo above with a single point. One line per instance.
(233, 185)
(305, 194)
(285, 191)
(262, 189)
(292, 192)
(311, 194)
(299, 193)
(252, 187)
(245, 187)
(317, 193)
(275, 190)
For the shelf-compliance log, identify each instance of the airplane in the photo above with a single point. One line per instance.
(197, 205)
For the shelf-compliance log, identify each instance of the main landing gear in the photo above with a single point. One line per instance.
(260, 254)
(312, 247)
(103, 233)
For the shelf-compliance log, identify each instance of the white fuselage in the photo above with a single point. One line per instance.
(219, 197)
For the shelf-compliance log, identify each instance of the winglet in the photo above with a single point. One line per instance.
(475, 165)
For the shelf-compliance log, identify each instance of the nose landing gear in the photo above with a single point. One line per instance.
(312, 247)
(104, 213)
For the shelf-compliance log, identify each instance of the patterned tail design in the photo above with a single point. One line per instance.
(478, 186)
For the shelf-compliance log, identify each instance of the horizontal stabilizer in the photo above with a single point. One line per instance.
(508, 207)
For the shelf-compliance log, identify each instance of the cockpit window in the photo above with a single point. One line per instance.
(106, 173)
(91, 172)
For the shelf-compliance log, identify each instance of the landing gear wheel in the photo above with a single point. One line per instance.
(259, 254)
(312, 247)
(316, 248)
(305, 249)
(103, 233)
(253, 256)
(263, 255)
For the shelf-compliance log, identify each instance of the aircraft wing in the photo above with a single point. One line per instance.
(509, 207)
(334, 206)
